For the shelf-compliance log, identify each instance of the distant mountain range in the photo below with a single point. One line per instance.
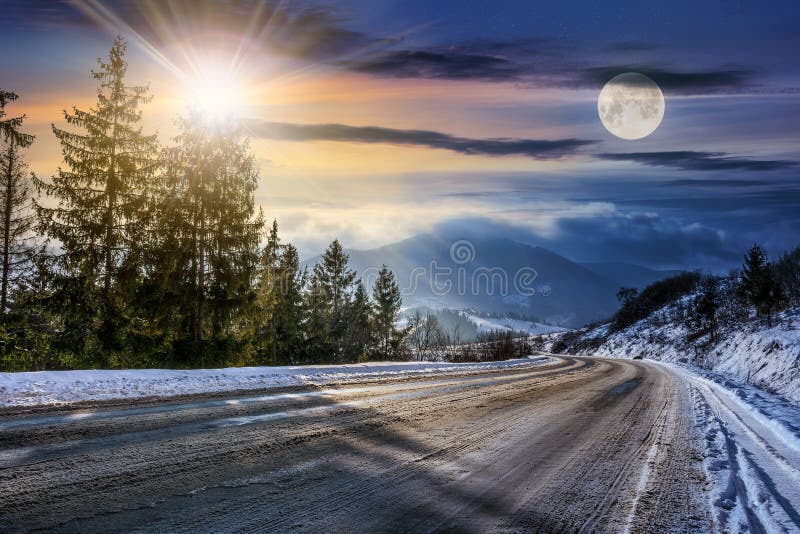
(498, 275)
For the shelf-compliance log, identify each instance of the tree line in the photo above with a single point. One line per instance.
(709, 306)
(760, 287)
(136, 254)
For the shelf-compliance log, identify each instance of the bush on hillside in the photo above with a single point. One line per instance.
(655, 296)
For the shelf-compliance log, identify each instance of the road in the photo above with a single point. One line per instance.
(578, 445)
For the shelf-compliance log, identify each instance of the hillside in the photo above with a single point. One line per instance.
(499, 276)
(748, 350)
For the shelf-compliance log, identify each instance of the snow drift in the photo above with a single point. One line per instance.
(57, 387)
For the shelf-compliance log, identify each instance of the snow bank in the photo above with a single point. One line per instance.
(56, 387)
(772, 411)
(751, 443)
(765, 357)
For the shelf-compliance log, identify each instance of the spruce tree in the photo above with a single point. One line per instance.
(288, 312)
(16, 220)
(758, 285)
(331, 293)
(161, 299)
(358, 334)
(754, 274)
(98, 219)
(267, 294)
(318, 343)
(25, 325)
(236, 235)
(386, 293)
(211, 184)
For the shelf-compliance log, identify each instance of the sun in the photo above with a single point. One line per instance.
(216, 92)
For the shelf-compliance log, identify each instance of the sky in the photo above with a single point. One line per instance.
(374, 121)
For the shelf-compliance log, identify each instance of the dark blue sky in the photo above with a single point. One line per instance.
(376, 120)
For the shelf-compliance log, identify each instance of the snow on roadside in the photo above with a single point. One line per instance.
(752, 453)
(767, 357)
(57, 387)
(772, 411)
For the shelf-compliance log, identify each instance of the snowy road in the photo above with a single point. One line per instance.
(575, 445)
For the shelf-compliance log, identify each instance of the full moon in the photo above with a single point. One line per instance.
(631, 106)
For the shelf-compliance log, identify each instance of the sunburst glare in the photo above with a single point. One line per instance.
(216, 91)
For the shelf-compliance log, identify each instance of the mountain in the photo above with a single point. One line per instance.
(628, 274)
(490, 274)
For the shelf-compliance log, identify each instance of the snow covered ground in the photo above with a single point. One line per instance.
(751, 441)
(487, 324)
(57, 387)
(745, 396)
(767, 357)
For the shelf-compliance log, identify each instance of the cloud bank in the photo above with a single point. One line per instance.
(532, 148)
(698, 161)
(318, 34)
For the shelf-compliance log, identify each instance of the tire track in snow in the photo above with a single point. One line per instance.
(755, 485)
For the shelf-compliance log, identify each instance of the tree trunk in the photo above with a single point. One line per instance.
(7, 228)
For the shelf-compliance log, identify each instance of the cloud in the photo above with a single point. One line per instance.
(453, 65)
(311, 33)
(544, 63)
(643, 238)
(537, 61)
(648, 238)
(320, 34)
(674, 81)
(40, 14)
(691, 182)
(698, 161)
(532, 148)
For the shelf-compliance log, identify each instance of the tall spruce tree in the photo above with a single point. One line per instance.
(16, 217)
(211, 182)
(236, 235)
(16, 221)
(330, 295)
(267, 295)
(759, 285)
(98, 220)
(359, 337)
(318, 344)
(288, 312)
(161, 299)
(25, 328)
(386, 294)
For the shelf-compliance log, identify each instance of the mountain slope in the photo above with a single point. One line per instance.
(751, 351)
(491, 275)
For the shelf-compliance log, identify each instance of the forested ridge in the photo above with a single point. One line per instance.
(141, 252)
(707, 308)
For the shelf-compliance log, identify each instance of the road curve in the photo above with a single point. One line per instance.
(580, 445)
